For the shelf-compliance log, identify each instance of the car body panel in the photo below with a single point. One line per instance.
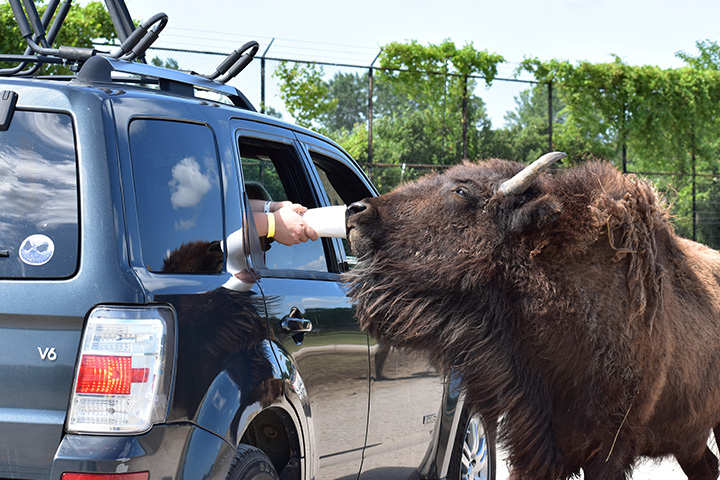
(332, 361)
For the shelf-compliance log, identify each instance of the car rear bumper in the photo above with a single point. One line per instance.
(167, 452)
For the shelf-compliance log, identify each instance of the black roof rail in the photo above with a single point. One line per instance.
(98, 70)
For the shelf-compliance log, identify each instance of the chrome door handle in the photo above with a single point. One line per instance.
(295, 326)
(292, 325)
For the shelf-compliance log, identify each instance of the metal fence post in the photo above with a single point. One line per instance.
(694, 195)
(262, 76)
(550, 117)
(465, 117)
(370, 121)
(370, 114)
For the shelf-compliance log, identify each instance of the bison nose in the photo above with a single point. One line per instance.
(352, 214)
(355, 208)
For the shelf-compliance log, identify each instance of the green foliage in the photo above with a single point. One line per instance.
(350, 91)
(427, 92)
(170, 63)
(525, 136)
(402, 62)
(641, 118)
(651, 113)
(417, 116)
(709, 58)
(82, 26)
(646, 119)
(305, 93)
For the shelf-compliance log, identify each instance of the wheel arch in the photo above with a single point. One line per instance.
(281, 424)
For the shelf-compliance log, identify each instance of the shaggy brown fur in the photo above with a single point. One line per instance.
(574, 313)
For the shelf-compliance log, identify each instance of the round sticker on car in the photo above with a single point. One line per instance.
(37, 250)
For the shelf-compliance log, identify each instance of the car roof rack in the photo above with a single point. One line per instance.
(40, 35)
(98, 70)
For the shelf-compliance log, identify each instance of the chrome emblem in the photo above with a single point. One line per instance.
(47, 354)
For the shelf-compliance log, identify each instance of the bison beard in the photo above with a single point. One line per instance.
(574, 314)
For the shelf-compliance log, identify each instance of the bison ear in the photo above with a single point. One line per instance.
(535, 214)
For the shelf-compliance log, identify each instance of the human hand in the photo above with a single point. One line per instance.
(290, 227)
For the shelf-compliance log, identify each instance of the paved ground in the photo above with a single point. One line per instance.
(665, 470)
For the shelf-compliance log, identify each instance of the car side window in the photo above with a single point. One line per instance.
(273, 171)
(178, 196)
(342, 187)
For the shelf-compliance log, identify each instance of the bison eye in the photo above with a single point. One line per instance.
(462, 192)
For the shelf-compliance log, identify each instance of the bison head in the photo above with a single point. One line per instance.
(443, 207)
(435, 248)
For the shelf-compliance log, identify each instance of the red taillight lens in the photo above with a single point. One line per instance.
(108, 375)
(105, 476)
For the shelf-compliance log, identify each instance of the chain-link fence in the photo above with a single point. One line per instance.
(260, 85)
(696, 213)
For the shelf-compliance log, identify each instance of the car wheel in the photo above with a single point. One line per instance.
(251, 463)
(473, 456)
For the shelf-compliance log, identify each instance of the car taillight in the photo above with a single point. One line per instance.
(119, 378)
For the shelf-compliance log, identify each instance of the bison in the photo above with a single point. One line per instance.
(575, 315)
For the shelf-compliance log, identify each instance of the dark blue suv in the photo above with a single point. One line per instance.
(148, 332)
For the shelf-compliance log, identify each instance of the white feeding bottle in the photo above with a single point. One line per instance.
(327, 221)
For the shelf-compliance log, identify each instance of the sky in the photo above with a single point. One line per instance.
(639, 32)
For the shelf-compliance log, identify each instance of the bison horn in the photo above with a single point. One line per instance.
(520, 182)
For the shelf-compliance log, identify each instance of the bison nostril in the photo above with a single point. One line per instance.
(356, 207)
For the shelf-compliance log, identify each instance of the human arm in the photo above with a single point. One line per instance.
(290, 227)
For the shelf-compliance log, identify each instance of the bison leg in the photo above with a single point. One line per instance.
(704, 469)
(600, 470)
(616, 465)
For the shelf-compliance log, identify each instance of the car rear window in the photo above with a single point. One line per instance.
(39, 231)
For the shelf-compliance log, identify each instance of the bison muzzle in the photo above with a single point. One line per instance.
(574, 314)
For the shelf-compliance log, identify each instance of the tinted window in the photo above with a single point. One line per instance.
(177, 189)
(273, 171)
(38, 197)
(342, 186)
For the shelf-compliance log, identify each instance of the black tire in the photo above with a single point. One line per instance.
(473, 456)
(251, 463)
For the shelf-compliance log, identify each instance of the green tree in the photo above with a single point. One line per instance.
(436, 82)
(305, 92)
(526, 132)
(708, 59)
(644, 119)
(170, 63)
(424, 111)
(350, 109)
(81, 28)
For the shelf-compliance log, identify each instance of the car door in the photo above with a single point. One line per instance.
(302, 281)
(406, 393)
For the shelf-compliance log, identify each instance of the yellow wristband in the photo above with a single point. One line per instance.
(271, 225)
